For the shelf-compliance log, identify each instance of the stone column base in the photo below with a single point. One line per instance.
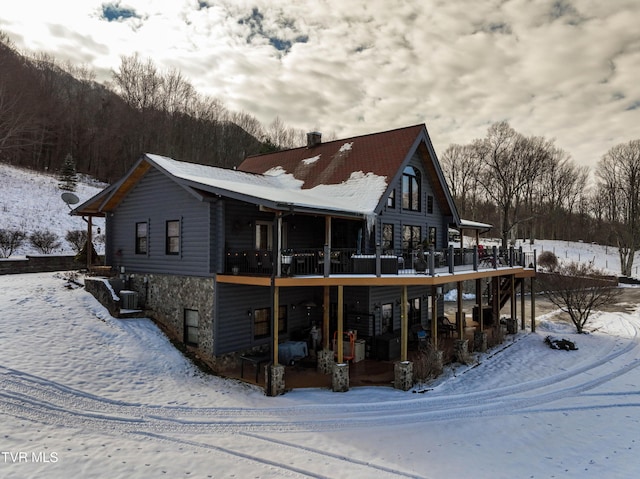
(275, 379)
(325, 361)
(512, 325)
(461, 351)
(340, 380)
(403, 375)
(480, 341)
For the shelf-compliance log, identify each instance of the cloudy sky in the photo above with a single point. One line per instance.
(563, 69)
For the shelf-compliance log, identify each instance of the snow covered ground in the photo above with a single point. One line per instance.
(85, 395)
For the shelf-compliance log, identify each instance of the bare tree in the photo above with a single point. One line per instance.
(509, 164)
(460, 166)
(578, 289)
(619, 179)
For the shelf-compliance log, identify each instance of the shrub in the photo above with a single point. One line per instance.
(44, 241)
(10, 240)
(77, 239)
(427, 363)
(548, 260)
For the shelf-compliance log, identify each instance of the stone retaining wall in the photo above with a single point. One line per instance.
(38, 264)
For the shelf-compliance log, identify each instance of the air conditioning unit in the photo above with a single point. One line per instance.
(128, 299)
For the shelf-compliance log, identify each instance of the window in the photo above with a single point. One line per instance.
(413, 311)
(411, 189)
(264, 235)
(191, 321)
(173, 237)
(411, 237)
(261, 323)
(432, 236)
(430, 204)
(387, 237)
(282, 319)
(391, 199)
(141, 238)
(387, 318)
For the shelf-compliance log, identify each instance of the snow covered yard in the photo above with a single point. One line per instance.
(85, 395)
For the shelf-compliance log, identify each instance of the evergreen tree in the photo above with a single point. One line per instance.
(68, 176)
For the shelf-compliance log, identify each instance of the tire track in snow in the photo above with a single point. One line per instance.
(40, 400)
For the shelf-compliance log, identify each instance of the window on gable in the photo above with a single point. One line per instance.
(173, 237)
(141, 238)
(191, 323)
(391, 199)
(411, 189)
(430, 204)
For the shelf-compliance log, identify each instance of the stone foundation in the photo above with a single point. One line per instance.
(340, 380)
(166, 297)
(461, 351)
(480, 341)
(512, 325)
(325, 361)
(274, 374)
(403, 375)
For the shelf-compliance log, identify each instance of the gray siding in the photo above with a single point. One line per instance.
(399, 217)
(156, 199)
(234, 328)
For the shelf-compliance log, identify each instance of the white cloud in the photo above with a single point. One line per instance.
(556, 68)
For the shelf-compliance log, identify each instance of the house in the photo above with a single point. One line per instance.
(348, 239)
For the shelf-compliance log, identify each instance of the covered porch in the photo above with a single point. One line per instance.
(333, 364)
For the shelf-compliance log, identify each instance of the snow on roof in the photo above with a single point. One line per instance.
(360, 194)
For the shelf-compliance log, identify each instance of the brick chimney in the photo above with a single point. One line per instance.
(314, 138)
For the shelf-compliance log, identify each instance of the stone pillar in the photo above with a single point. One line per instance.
(512, 325)
(461, 350)
(275, 379)
(403, 375)
(480, 341)
(340, 380)
(325, 361)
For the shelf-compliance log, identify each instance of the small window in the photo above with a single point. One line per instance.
(430, 204)
(173, 237)
(191, 322)
(391, 199)
(141, 238)
(261, 323)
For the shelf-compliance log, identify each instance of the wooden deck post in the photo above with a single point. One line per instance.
(274, 312)
(434, 317)
(533, 305)
(523, 325)
(459, 321)
(404, 325)
(325, 318)
(340, 332)
(89, 242)
(514, 312)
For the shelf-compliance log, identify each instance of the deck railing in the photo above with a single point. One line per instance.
(335, 261)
